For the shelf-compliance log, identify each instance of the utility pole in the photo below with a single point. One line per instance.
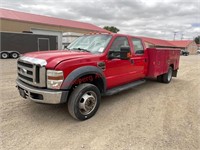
(182, 36)
(175, 35)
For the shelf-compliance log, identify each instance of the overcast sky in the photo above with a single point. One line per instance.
(152, 18)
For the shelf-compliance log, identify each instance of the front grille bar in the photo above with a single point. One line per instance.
(31, 73)
(24, 67)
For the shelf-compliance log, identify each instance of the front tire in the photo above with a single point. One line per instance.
(84, 101)
(167, 77)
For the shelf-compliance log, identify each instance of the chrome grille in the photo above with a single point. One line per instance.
(31, 73)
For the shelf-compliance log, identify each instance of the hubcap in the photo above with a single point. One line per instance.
(14, 55)
(169, 74)
(87, 102)
(4, 55)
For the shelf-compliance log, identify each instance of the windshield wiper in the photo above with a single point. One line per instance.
(81, 49)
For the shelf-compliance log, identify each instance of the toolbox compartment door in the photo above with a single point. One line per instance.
(160, 59)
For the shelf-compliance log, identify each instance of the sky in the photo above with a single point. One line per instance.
(150, 18)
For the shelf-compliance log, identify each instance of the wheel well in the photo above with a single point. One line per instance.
(4, 52)
(15, 52)
(172, 65)
(95, 79)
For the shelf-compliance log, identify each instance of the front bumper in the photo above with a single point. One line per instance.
(41, 95)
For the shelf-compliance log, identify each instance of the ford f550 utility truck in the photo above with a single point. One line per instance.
(92, 66)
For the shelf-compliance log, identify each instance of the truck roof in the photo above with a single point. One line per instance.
(113, 34)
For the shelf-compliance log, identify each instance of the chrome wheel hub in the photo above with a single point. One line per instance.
(170, 74)
(4, 55)
(87, 102)
(14, 55)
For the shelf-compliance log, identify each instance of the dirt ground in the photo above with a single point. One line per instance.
(151, 116)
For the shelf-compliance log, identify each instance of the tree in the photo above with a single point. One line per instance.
(197, 39)
(112, 29)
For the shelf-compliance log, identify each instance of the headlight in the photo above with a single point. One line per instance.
(54, 79)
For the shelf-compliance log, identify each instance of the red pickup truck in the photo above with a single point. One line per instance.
(92, 66)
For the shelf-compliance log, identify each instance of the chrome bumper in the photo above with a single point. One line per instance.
(41, 95)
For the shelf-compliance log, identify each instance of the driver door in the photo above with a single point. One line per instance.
(119, 71)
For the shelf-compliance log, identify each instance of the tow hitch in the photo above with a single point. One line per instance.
(22, 92)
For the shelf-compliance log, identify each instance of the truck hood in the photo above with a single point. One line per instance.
(56, 56)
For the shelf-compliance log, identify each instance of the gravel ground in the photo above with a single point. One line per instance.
(151, 116)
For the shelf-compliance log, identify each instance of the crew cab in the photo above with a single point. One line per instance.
(92, 66)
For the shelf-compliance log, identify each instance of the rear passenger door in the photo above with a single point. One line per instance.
(140, 57)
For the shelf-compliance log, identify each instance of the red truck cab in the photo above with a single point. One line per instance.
(92, 66)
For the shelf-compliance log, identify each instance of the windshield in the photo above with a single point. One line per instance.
(90, 43)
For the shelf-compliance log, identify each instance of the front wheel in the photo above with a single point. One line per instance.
(84, 101)
(167, 77)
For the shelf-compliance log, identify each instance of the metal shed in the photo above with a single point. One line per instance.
(15, 21)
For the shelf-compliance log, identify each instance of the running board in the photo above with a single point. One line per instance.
(124, 87)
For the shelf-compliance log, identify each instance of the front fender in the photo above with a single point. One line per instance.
(82, 71)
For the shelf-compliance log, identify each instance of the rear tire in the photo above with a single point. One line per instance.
(4, 55)
(160, 78)
(14, 55)
(167, 77)
(84, 101)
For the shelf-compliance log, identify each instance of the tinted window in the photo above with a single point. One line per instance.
(138, 47)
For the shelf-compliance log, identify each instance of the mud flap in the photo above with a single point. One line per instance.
(174, 73)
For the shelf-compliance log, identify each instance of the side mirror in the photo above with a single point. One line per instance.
(123, 54)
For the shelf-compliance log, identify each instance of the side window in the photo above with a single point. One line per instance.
(138, 47)
(118, 43)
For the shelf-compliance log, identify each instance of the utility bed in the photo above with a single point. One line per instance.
(160, 59)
